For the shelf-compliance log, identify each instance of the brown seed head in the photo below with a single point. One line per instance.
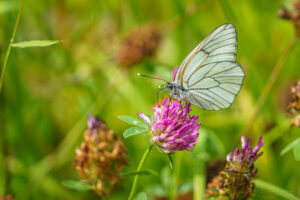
(100, 158)
(292, 14)
(140, 43)
(7, 197)
(294, 106)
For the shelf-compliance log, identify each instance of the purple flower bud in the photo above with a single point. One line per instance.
(173, 128)
(258, 146)
(243, 159)
(93, 123)
(229, 157)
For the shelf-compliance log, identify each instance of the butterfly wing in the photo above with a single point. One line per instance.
(210, 72)
(215, 85)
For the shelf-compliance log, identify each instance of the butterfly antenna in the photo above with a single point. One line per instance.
(152, 77)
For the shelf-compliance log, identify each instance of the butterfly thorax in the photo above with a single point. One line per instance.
(177, 90)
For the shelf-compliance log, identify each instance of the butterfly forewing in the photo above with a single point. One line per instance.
(210, 72)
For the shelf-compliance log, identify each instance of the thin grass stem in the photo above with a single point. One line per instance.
(9, 45)
(269, 85)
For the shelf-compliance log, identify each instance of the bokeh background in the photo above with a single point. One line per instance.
(48, 92)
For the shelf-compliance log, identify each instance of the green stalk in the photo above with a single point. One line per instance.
(136, 177)
(9, 45)
(199, 181)
(175, 174)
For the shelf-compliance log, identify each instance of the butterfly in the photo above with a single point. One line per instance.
(209, 77)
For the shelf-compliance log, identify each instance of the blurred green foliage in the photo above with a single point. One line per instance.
(48, 92)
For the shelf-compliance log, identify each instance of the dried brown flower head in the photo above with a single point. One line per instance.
(100, 157)
(294, 107)
(292, 14)
(140, 43)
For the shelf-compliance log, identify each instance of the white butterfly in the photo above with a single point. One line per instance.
(209, 77)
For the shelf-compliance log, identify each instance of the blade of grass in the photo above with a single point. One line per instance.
(290, 146)
(275, 190)
(141, 172)
(10, 45)
(35, 43)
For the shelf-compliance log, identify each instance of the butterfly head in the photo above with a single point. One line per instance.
(170, 86)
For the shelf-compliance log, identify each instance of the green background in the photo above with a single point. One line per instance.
(48, 92)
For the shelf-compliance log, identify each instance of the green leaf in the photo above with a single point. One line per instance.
(76, 185)
(134, 131)
(275, 190)
(290, 146)
(296, 152)
(35, 43)
(133, 121)
(157, 190)
(141, 196)
(143, 172)
(185, 187)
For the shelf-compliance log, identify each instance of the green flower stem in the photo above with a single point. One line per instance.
(9, 45)
(199, 181)
(136, 177)
(175, 175)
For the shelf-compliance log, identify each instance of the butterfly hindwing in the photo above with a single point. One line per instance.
(219, 84)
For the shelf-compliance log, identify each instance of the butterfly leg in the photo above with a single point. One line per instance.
(159, 92)
(170, 98)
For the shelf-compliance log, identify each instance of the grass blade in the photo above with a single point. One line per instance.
(35, 43)
(290, 146)
(76, 185)
(275, 190)
(142, 172)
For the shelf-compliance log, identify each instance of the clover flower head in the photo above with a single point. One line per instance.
(236, 180)
(173, 129)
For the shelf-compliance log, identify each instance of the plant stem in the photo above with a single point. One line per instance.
(136, 177)
(175, 175)
(9, 45)
(269, 85)
(199, 181)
